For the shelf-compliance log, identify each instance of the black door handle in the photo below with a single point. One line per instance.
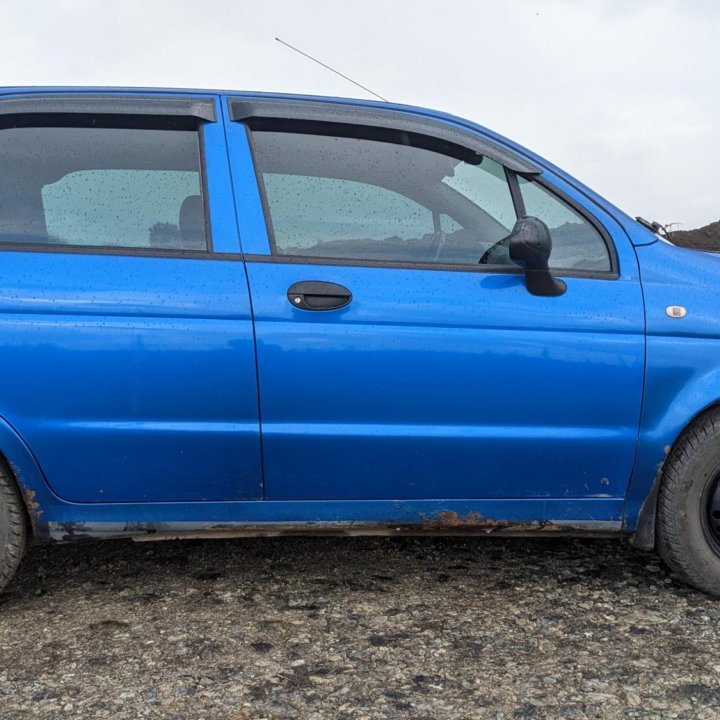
(318, 295)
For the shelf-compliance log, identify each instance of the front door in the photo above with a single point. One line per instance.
(400, 354)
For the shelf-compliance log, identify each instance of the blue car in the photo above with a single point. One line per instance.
(233, 314)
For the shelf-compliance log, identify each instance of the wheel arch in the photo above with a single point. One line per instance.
(644, 532)
(26, 473)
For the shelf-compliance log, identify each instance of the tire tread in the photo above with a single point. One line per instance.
(677, 477)
(14, 519)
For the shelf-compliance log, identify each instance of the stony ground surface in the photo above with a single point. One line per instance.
(344, 629)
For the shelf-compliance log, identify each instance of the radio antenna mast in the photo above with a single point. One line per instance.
(327, 67)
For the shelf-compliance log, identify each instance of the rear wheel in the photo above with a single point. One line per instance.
(12, 526)
(688, 517)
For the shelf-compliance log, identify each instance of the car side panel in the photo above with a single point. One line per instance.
(64, 516)
(127, 395)
(435, 383)
(131, 375)
(683, 355)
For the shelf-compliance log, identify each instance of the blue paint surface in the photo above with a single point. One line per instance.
(463, 386)
(168, 390)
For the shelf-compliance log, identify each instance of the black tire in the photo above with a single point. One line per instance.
(685, 539)
(13, 529)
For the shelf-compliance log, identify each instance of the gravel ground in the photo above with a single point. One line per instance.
(422, 628)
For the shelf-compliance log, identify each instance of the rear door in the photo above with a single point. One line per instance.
(400, 354)
(127, 358)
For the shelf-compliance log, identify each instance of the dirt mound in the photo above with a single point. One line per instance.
(704, 238)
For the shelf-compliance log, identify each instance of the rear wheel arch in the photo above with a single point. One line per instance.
(25, 473)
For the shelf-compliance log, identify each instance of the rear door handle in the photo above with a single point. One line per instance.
(318, 295)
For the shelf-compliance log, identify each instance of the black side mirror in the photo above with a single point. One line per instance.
(530, 245)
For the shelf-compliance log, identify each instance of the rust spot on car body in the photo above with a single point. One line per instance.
(32, 505)
(444, 523)
(28, 495)
(447, 520)
(475, 522)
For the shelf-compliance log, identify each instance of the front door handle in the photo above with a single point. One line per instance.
(318, 295)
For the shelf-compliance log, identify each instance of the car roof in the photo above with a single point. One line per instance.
(377, 104)
(320, 99)
(121, 90)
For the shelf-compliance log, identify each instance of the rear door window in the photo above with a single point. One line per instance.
(102, 187)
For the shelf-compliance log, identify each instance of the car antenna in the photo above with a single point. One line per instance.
(310, 57)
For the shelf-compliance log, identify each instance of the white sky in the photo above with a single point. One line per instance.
(622, 94)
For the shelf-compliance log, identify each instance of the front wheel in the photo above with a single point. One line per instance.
(688, 515)
(12, 526)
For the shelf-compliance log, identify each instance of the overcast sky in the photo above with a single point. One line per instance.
(622, 94)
